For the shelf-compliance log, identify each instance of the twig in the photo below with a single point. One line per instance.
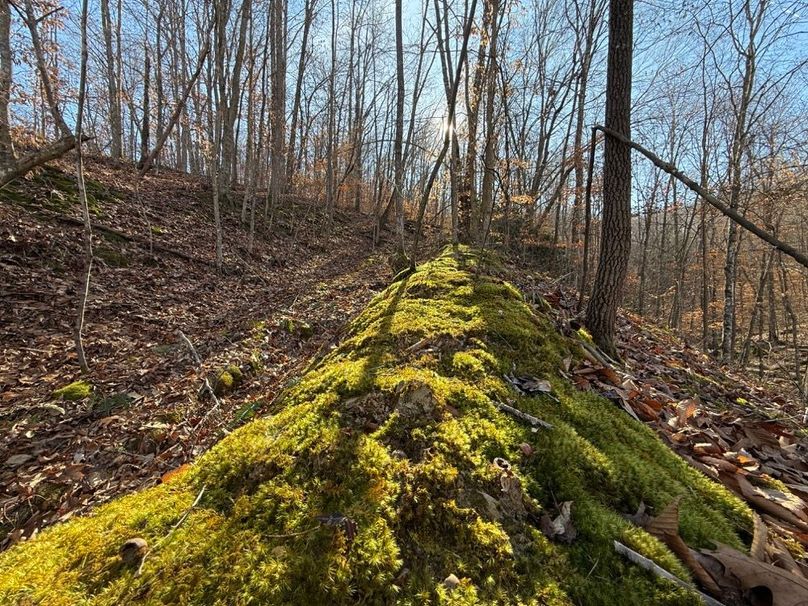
(179, 522)
(523, 416)
(190, 345)
(206, 383)
(650, 566)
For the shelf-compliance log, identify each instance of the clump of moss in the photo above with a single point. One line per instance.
(111, 257)
(56, 190)
(380, 475)
(296, 327)
(227, 380)
(77, 390)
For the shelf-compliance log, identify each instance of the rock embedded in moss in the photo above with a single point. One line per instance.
(419, 480)
(77, 390)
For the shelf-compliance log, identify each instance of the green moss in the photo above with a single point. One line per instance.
(227, 380)
(584, 334)
(396, 430)
(296, 327)
(111, 257)
(56, 190)
(77, 390)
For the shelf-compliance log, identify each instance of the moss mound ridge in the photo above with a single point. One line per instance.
(374, 481)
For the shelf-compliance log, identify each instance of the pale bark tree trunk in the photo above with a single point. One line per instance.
(451, 103)
(468, 205)
(230, 96)
(489, 154)
(332, 103)
(308, 17)
(114, 103)
(31, 22)
(145, 127)
(85, 208)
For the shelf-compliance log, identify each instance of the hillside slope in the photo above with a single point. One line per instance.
(142, 414)
(391, 472)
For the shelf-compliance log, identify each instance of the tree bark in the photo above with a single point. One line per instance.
(6, 71)
(85, 207)
(113, 100)
(31, 22)
(398, 143)
(615, 244)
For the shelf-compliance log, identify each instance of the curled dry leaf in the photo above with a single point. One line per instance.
(665, 527)
(759, 540)
(560, 528)
(760, 580)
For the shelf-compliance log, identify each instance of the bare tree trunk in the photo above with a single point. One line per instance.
(768, 258)
(6, 70)
(278, 100)
(398, 143)
(451, 103)
(489, 155)
(112, 84)
(726, 210)
(332, 102)
(145, 129)
(31, 22)
(615, 246)
(308, 17)
(85, 208)
(147, 163)
(468, 206)
(793, 317)
(739, 144)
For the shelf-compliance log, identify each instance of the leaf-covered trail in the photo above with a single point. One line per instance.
(146, 415)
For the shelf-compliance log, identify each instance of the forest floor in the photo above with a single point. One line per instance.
(148, 412)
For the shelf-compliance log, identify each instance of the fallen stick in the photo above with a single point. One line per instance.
(206, 385)
(523, 416)
(643, 562)
(179, 522)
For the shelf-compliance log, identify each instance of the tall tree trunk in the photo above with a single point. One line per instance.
(308, 17)
(398, 142)
(113, 101)
(738, 148)
(6, 70)
(332, 104)
(601, 313)
(85, 207)
(32, 22)
(278, 99)
(489, 155)
(145, 129)
(468, 205)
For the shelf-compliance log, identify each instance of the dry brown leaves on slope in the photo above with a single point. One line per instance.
(738, 434)
(145, 416)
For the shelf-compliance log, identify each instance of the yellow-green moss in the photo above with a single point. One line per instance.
(227, 380)
(397, 430)
(77, 390)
